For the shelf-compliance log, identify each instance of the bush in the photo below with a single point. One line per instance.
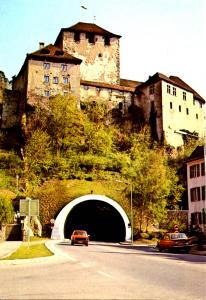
(6, 209)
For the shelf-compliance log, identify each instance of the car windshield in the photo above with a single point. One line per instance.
(78, 232)
(178, 236)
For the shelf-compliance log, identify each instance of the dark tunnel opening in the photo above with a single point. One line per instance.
(100, 219)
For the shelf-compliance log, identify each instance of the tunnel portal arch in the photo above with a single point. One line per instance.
(58, 229)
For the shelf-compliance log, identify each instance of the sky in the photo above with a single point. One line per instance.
(166, 36)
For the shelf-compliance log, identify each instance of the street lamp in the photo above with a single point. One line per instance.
(131, 212)
(131, 207)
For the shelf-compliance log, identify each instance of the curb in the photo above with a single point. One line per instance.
(57, 256)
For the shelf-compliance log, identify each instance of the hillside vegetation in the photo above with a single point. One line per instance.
(70, 152)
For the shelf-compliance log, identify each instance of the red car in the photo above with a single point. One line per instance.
(175, 241)
(80, 237)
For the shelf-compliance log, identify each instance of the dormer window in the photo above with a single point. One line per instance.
(77, 36)
(59, 52)
(44, 51)
(107, 41)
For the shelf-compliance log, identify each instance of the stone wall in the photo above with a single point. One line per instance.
(100, 62)
(11, 109)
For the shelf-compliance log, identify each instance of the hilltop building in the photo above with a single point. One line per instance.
(85, 61)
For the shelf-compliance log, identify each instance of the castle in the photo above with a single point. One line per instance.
(85, 61)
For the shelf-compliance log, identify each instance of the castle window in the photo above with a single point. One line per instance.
(77, 36)
(196, 116)
(90, 37)
(174, 91)
(46, 93)
(65, 80)
(168, 89)
(151, 89)
(170, 105)
(55, 80)
(193, 101)
(180, 108)
(46, 78)
(47, 66)
(64, 67)
(106, 40)
(120, 105)
(187, 111)
(184, 95)
(100, 55)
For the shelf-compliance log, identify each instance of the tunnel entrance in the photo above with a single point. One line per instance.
(100, 219)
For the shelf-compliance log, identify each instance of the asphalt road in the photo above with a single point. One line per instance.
(108, 271)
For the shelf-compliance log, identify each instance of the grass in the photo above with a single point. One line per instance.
(33, 249)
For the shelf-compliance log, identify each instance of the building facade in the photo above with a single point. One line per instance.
(173, 109)
(196, 188)
(85, 61)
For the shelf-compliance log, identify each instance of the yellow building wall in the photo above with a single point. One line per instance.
(175, 120)
(37, 86)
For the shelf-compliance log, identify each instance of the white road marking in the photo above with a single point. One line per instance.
(105, 274)
(84, 265)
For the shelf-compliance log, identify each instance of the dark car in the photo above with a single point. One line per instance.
(175, 241)
(80, 237)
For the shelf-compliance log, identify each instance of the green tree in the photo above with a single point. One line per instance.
(65, 124)
(152, 182)
(37, 158)
(6, 209)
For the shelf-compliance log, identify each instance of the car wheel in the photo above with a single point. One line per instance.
(86, 244)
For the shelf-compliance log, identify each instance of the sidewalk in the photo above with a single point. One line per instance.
(8, 247)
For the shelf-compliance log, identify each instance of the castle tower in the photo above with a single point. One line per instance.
(96, 47)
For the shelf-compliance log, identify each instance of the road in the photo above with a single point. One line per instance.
(108, 271)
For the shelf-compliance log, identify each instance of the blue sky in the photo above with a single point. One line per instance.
(166, 36)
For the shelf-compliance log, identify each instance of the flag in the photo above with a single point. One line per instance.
(82, 6)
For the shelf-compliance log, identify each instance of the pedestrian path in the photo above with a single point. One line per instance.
(8, 247)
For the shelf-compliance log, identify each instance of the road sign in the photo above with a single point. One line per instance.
(29, 207)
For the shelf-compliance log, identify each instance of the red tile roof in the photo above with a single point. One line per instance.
(87, 28)
(108, 86)
(198, 153)
(172, 80)
(129, 83)
(53, 53)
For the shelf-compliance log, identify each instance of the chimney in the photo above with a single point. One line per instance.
(41, 45)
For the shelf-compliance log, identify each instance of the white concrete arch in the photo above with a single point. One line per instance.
(58, 229)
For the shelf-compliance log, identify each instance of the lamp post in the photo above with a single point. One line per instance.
(131, 207)
(131, 211)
